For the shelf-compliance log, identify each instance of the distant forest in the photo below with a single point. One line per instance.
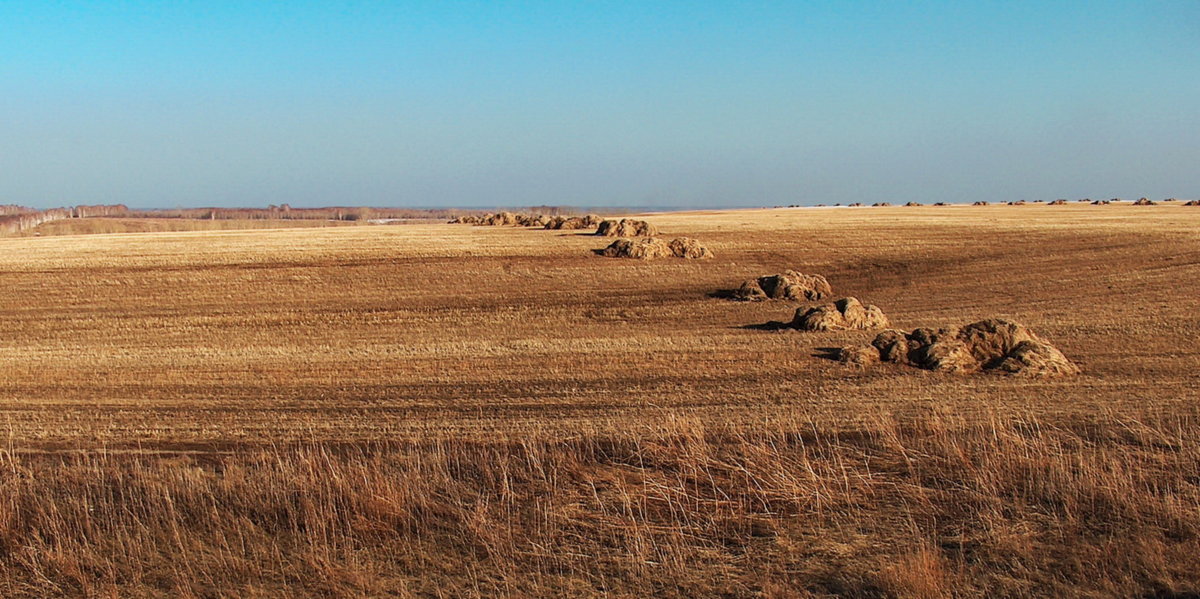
(14, 219)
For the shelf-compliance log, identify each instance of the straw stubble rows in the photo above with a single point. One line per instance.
(376, 332)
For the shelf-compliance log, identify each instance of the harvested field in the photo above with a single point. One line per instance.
(435, 410)
(268, 332)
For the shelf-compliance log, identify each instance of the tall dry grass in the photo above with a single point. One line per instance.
(1004, 508)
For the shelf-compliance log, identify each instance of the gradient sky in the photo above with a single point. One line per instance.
(665, 104)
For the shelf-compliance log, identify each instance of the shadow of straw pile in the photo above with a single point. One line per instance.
(936, 508)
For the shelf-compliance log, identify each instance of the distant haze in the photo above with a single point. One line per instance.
(665, 104)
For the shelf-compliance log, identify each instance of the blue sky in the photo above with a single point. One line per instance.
(163, 104)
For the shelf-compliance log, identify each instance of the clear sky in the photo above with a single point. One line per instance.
(663, 103)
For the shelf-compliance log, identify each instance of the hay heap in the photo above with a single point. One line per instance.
(626, 227)
(1143, 202)
(564, 223)
(642, 249)
(686, 247)
(844, 314)
(499, 219)
(988, 345)
(531, 220)
(647, 247)
(788, 285)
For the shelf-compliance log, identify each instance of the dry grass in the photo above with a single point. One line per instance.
(947, 508)
(461, 411)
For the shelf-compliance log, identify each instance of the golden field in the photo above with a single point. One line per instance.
(448, 410)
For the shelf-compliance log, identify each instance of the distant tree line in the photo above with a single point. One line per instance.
(14, 219)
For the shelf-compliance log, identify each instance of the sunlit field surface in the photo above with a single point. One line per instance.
(452, 410)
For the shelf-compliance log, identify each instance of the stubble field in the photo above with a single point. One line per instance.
(449, 410)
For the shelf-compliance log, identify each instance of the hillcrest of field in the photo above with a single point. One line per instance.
(370, 332)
